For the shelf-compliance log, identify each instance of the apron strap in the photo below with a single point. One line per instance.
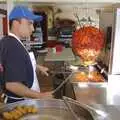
(6, 97)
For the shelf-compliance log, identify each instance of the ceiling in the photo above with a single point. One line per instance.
(68, 3)
(73, 3)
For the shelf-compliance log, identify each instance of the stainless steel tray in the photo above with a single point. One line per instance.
(52, 109)
(74, 80)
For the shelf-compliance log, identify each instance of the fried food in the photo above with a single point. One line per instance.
(19, 111)
(96, 77)
(81, 76)
(7, 116)
(88, 77)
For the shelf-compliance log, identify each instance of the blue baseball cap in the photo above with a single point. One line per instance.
(19, 12)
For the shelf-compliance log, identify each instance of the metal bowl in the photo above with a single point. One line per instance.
(52, 109)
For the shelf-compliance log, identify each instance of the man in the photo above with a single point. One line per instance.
(19, 72)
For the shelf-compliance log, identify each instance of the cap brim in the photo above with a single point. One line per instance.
(36, 18)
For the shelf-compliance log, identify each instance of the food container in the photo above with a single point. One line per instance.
(87, 74)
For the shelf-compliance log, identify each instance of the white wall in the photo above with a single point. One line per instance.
(2, 6)
(106, 19)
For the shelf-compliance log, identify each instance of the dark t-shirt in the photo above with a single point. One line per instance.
(16, 62)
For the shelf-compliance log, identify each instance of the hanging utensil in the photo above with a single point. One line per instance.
(76, 15)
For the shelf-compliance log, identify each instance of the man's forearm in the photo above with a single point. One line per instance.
(21, 90)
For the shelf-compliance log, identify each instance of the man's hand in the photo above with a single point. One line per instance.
(46, 95)
(23, 91)
(43, 69)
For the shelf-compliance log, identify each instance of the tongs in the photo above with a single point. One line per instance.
(63, 83)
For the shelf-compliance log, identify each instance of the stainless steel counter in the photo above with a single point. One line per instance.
(102, 96)
(113, 112)
(91, 92)
(107, 93)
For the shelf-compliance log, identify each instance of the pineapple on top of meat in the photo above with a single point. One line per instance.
(87, 42)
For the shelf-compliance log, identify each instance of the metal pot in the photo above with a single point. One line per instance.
(53, 109)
